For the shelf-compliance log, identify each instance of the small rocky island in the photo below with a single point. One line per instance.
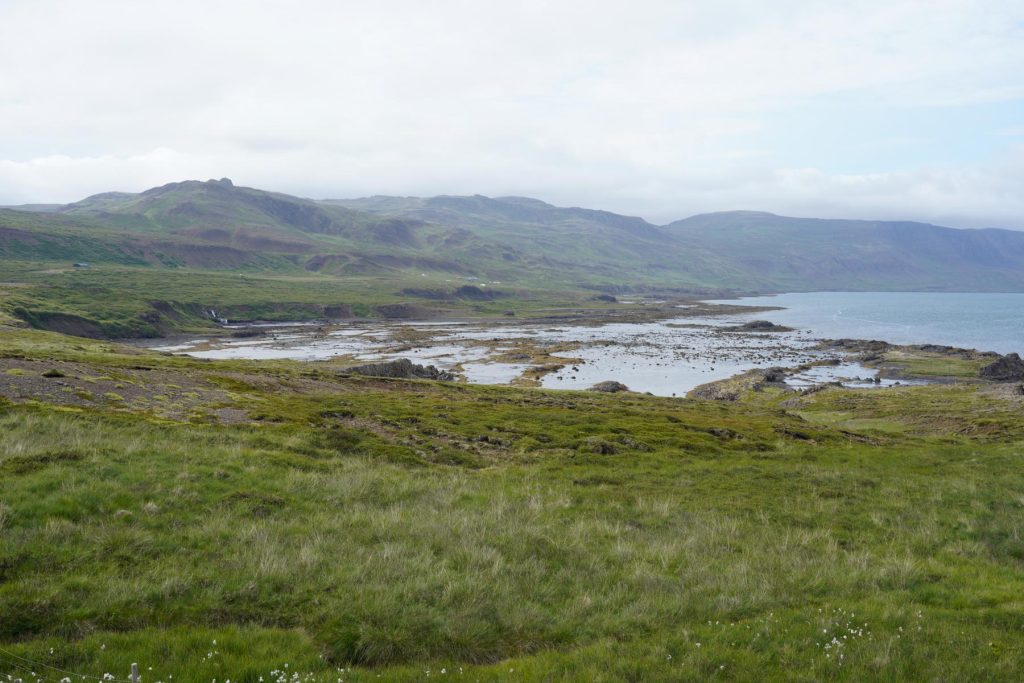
(759, 326)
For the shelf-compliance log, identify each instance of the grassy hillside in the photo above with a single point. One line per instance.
(321, 236)
(223, 520)
(743, 250)
(160, 261)
(170, 250)
(117, 302)
(807, 253)
(596, 247)
(215, 224)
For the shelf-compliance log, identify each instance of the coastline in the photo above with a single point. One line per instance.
(664, 347)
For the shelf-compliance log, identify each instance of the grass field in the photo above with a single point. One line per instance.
(341, 528)
(122, 301)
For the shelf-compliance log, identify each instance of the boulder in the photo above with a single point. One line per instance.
(1009, 368)
(772, 375)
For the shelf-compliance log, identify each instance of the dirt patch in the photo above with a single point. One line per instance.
(231, 416)
(367, 425)
(1013, 392)
(166, 394)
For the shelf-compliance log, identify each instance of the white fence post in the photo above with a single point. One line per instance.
(135, 673)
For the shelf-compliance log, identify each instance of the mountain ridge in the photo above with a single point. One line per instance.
(526, 240)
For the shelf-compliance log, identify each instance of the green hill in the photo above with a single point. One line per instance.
(816, 254)
(739, 250)
(593, 247)
(180, 246)
(520, 238)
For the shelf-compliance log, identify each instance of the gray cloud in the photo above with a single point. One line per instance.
(653, 108)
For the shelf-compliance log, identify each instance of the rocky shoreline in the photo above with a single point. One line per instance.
(642, 346)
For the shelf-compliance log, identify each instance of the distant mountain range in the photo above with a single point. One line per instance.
(217, 226)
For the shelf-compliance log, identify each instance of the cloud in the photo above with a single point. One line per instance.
(656, 107)
(62, 178)
(986, 195)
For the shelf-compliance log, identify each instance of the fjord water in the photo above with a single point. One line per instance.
(987, 322)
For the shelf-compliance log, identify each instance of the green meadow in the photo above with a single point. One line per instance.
(119, 301)
(243, 521)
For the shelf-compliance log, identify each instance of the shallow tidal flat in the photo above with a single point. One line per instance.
(666, 358)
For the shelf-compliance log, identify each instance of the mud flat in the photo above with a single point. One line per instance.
(665, 349)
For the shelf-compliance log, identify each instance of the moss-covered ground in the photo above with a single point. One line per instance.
(291, 520)
(124, 301)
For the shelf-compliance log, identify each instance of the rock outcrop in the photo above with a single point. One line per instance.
(733, 388)
(402, 311)
(1009, 368)
(402, 368)
(761, 326)
(609, 387)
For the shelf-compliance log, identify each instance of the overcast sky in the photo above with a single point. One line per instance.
(889, 109)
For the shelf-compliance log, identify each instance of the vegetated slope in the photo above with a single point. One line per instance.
(810, 253)
(47, 236)
(525, 244)
(218, 212)
(517, 239)
(594, 246)
(160, 261)
(217, 520)
(742, 250)
(216, 204)
(214, 224)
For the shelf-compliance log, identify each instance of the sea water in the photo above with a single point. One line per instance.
(986, 322)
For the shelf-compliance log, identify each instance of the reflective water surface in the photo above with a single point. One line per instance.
(666, 358)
